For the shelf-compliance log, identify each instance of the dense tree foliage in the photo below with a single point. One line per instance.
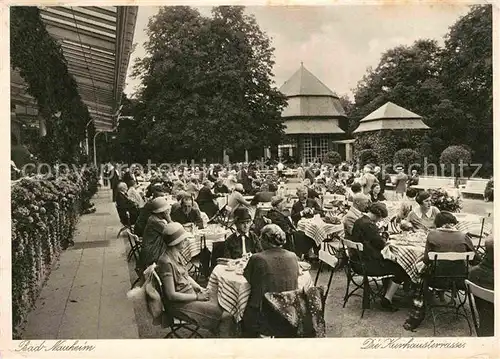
(206, 84)
(450, 87)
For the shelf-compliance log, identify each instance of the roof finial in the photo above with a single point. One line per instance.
(301, 64)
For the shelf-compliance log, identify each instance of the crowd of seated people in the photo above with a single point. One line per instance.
(197, 192)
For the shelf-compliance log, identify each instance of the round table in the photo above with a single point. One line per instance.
(406, 249)
(233, 290)
(318, 230)
(194, 244)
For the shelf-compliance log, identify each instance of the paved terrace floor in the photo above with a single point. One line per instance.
(85, 295)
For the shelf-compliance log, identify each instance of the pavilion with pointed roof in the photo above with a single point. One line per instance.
(314, 119)
(391, 117)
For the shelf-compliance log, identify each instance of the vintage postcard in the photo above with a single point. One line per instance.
(281, 180)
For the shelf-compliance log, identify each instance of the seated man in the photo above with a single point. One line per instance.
(359, 205)
(185, 213)
(273, 270)
(280, 216)
(243, 241)
(263, 196)
(126, 207)
(304, 207)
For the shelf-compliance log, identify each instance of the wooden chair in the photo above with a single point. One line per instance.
(327, 256)
(473, 290)
(124, 220)
(360, 280)
(175, 321)
(450, 280)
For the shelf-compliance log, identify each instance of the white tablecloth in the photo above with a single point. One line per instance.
(471, 223)
(194, 245)
(233, 290)
(319, 230)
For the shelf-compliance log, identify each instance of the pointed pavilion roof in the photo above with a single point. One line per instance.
(391, 117)
(304, 83)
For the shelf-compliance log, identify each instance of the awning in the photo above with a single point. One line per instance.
(312, 126)
(96, 42)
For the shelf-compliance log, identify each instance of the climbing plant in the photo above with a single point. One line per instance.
(41, 63)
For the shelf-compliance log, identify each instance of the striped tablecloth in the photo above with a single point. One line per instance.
(408, 254)
(233, 290)
(471, 223)
(319, 230)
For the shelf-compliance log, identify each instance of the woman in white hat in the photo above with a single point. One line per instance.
(185, 296)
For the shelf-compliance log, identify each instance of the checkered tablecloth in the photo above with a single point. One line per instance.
(408, 256)
(194, 244)
(318, 229)
(233, 290)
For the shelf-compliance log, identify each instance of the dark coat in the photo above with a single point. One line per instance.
(206, 202)
(298, 207)
(234, 249)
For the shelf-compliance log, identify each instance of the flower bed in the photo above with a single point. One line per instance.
(444, 202)
(44, 216)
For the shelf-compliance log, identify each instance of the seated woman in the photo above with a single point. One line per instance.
(445, 238)
(375, 195)
(185, 296)
(407, 204)
(280, 216)
(483, 275)
(236, 199)
(134, 194)
(273, 270)
(243, 241)
(206, 199)
(422, 217)
(365, 231)
(152, 242)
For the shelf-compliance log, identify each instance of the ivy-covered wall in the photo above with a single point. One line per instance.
(387, 142)
(40, 62)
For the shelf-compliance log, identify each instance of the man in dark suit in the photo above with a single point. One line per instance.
(304, 207)
(185, 212)
(114, 179)
(243, 241)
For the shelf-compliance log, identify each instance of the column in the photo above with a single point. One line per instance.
(348, 151)
(246, 156)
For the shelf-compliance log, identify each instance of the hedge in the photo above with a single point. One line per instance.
(45, 212)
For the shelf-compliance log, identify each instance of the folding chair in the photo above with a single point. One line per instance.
(479, 248)
(175, 321)
(135, 245)
(473, 290)
(327, 256)
(450, 280)
(124, 220)
(353, 277)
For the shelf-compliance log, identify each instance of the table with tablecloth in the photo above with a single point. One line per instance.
(407, 250)
(233, 290)
(472, 223)
(194, 244)
(318, 230)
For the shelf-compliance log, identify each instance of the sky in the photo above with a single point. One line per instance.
(336, 43)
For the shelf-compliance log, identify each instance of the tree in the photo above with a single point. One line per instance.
(367, 156)
(408, 157)
(467, 73)
(454, 158)
(332, 157)
(207, 84)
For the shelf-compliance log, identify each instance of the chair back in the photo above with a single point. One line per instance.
(217, 252)
(348, 244)
(480, 292)
(448, 270)
(124, 216)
